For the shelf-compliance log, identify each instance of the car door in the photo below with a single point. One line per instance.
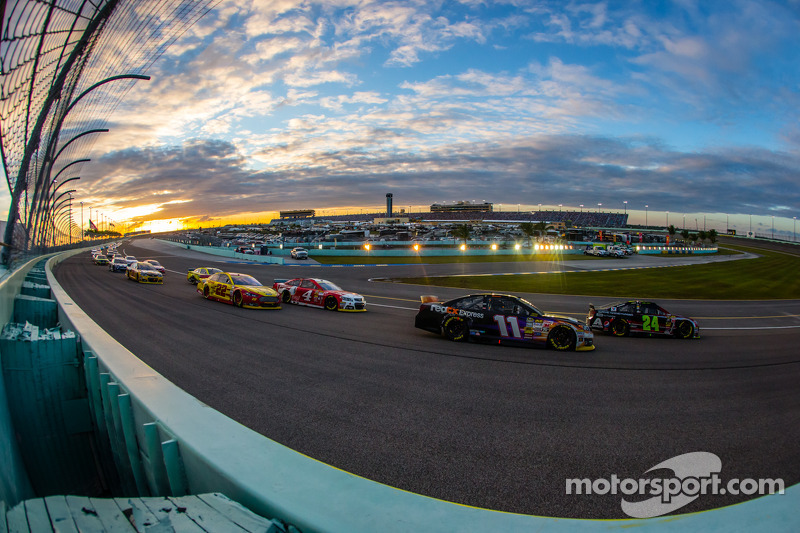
(304, 293)
(653, 319)
(507, 320)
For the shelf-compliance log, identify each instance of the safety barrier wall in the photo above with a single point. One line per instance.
(14, 483)
(170, 443)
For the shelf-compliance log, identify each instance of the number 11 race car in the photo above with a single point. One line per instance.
(504, 319)
(634, 316)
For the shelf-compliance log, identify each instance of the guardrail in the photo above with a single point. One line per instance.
(169, 443)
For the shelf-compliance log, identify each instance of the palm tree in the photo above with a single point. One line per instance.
(528, 229)
(685, 234)
(541, 228)
(462, 231)
(702, 234)
(672, 231)
(712, 236)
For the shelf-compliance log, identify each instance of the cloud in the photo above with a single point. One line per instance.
(212, 178)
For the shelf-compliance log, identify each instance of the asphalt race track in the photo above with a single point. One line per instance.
(487, 426)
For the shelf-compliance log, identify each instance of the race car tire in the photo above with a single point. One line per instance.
(286, 297)
(561, 338)
(684, 330)
(331, 304)
(455, 328)
(620, 327)
(205, 292)
(192, 280)
(238, 301)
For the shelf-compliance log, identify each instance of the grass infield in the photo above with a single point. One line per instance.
(437, 260)
(774, 275)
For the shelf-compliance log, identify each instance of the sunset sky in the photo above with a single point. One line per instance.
(687, 106)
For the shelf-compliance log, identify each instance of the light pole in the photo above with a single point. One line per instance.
(794, 229)
(751, 225)
(645, 215)
(581, 208)
(598, 207)
(625, 202)
(773, 227)
(667, 218)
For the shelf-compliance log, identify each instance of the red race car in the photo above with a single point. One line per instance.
(321, 293)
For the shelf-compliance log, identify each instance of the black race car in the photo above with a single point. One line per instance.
(634, 316)
(505, 319)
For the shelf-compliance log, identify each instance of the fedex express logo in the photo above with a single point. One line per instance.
(455, 311)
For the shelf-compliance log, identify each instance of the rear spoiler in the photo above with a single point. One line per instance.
(280, 280)
(428, 298)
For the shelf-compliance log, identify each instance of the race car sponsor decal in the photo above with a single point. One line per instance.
(456, 311)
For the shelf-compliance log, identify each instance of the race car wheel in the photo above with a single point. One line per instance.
(620, 327)
(331, 304)
(286, 297)
(205, 292)
(455, 328)
(561, 338)
(684, 330)
(237, 299)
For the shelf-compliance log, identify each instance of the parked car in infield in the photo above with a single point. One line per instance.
(240, 290)
(195, 275)
(155, 264)
(321, 293)
(641, 317)
(118, 264)
(144, 273)
(299, 253)
(504, 319)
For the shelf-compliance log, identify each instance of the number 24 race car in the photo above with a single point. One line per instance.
(505, 319)
(634, 316)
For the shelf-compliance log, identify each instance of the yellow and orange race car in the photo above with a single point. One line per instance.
(240, 290)
(193, 276)
(144, 273)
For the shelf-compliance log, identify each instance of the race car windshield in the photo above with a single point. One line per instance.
(533, 307)
(245, 280)
(328, 286)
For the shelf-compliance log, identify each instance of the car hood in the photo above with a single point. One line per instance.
(569, 319)
(263, 290)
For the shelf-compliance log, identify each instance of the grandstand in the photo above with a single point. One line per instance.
(578, 218)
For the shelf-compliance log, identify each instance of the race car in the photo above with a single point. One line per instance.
(641, 317)
(504, 319)
(193, 276)
(321, 293)
(240, 290)
(155, 264)
(144, 273)
(118, 264)
(100, 259)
